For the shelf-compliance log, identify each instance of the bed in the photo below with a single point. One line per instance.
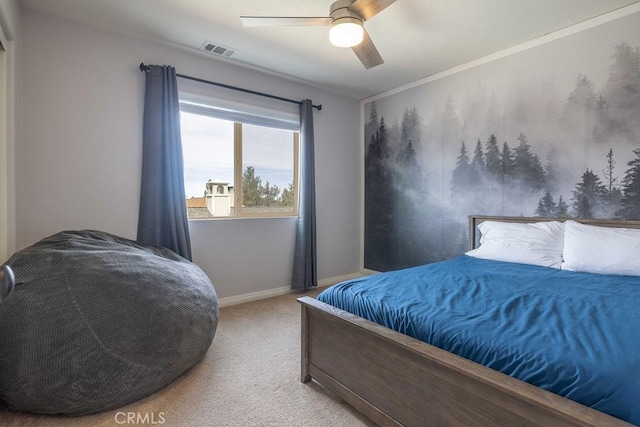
(396, 379)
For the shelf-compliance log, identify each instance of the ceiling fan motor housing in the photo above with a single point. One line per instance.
(346, 29)
(340, 11)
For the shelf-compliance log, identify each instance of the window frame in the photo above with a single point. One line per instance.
(239, 209)
(239, 170)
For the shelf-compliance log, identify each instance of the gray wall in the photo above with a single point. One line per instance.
(80, 159)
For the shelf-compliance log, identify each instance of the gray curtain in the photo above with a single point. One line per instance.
(163, 213)
(305, 273)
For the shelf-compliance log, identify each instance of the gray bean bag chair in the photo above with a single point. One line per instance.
(97, 321)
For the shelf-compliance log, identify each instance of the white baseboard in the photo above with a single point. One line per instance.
(284, 290)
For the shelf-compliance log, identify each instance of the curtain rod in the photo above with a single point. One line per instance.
(144, 68)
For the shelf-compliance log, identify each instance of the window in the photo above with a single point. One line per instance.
(239, 161)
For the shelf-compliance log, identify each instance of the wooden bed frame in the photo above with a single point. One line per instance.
(394, 379)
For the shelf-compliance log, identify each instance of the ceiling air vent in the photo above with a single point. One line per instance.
(216, 49)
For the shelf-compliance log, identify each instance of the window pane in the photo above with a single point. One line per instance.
(267, 170)
(207, 149)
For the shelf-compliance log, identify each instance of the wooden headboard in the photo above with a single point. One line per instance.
(475, 220)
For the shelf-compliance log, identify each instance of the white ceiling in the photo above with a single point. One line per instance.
(416, 38)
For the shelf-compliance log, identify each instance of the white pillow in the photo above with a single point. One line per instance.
(537, 243)
(604, 250)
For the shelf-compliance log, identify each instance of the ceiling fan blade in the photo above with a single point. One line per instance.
(367, 52)
(368, 8)
(278, 21)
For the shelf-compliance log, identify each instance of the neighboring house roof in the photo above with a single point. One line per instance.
(198, 213)
(197, 202)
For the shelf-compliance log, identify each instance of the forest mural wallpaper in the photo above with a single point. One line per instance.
(553, 130)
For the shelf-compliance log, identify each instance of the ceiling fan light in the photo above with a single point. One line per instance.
(346, 32)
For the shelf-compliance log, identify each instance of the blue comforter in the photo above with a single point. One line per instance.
(574, 334)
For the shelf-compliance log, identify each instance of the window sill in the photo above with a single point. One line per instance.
(230, 218)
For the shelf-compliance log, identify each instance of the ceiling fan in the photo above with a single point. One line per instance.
(346, 26)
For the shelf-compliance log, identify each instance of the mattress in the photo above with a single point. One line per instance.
(574, 334)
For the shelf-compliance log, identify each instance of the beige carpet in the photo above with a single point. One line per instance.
(249, 377)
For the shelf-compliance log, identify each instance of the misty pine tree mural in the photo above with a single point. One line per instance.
(543, 140)
(630, 203)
